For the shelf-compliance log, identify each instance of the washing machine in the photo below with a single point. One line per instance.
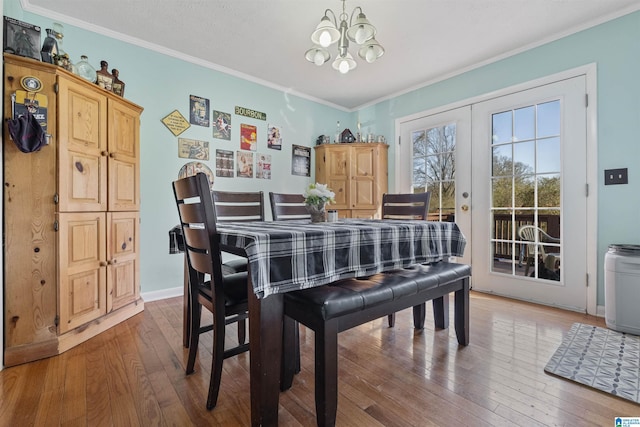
(622, 288)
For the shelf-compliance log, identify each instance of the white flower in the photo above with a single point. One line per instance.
(318, 194)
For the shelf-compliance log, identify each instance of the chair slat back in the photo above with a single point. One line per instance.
(238, 206)
(198, 221)
(406, 205)
(288, 206)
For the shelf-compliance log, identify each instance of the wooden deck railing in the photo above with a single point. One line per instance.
(503, 227)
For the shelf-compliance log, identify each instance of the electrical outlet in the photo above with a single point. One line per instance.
(615, 176)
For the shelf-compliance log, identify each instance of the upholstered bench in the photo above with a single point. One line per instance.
(331, 309)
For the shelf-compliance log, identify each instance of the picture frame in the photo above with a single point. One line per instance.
(300, 160)
(221, 125)
(21, 38)
(274, 137)
(199, 111)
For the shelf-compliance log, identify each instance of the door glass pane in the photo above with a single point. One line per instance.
(502, 125)
(502, 160)
(549, 191)
(548, 121)
(502, 192)
(524, 157)
(548, 159)
(525, 204)
(434, 169)
(524, 123)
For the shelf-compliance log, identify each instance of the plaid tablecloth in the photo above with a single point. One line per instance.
(289, 255)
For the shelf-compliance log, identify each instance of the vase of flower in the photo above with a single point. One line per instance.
(316, 198)
(318, 212)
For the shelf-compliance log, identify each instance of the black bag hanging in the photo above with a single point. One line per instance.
(27, 133)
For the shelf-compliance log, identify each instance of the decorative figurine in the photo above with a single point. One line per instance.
(49, 47)
(118, 85)
(105, 79)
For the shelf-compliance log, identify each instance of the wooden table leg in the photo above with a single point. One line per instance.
(265, 350)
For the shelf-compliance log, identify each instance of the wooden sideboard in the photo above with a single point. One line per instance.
(71, 216)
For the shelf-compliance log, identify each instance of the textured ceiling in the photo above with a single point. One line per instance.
(425, 40)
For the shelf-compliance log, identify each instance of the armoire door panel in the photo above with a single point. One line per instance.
(122, 185)
(122, 284)
(123, 270)
(124, 157)
(82, 255)
(82, 148)
(84, 186)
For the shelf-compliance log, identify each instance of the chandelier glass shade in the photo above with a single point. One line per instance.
(343, 30)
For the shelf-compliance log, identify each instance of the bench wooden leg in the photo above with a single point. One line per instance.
(326, 374)
(462, 313)
(419, 314)
(441, 312)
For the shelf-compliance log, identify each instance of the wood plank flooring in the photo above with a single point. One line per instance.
(133, 374)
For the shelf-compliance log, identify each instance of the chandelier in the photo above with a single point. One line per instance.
(329, 32)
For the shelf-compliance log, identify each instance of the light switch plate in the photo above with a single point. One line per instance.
(615, 176)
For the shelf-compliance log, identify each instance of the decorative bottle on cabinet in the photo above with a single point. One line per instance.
(357, 174)
(71, 216)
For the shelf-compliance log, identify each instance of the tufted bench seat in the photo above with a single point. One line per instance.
(331, 309)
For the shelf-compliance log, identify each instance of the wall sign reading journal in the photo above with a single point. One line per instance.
(241, 111)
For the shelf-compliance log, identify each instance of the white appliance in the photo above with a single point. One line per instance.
(622, 288)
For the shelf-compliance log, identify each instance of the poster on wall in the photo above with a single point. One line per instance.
(301, 160)
(193, 149)
(224, 163)
(248, 137)
(274, 137)
(263, 166)
(199, 108)
(192, 168)
(221, 125)
(175, 122)
(245, 164)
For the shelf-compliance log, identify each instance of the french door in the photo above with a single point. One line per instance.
(438, 148)
(530, 207)
(508, 169)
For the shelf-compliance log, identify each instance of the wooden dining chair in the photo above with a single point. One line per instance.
(406, 206)
(238, 206)
(232, 206)
(288, 206)
(224, 295)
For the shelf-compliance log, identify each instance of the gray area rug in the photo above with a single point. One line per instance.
(600, 358)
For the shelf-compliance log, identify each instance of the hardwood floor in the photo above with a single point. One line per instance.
(133, 374)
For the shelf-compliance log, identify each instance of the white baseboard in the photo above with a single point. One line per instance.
(162, 294)
(600, 311)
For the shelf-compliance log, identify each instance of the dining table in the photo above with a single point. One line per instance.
(284, 256)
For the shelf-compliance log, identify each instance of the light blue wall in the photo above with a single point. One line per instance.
(615, 47)
(161, 84)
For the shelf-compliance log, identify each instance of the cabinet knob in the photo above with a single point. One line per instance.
(103, 153)
(103, 264)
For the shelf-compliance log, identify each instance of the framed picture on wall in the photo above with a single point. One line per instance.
(301, 160)
(274, 137)
(199, 108)
(221, 125)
